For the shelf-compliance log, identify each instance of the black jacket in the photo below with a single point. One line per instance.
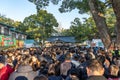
(96, 78)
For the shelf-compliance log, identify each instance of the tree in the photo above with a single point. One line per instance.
(91, 30)
(116, 8)
(47, 21)
(97, 9)
(39, 25)
(100, 22)
(9, 21)
(66, 32)
(78, 30)
(87, 29)
(81, 31)
(110, 20)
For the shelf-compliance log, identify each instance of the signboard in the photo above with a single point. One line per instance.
(97, 43)
(9, 41)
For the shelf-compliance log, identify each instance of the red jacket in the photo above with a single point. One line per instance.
(5, 72)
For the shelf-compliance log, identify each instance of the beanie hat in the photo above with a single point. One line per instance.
(21, 78)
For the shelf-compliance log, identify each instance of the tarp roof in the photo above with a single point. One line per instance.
(29, 41)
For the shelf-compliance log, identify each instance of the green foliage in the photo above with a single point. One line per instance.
(69, 5)
(110, 20)
(79, 30)
(88, 30)
(91, 31)
(9, 21)
(40, 3)
(39, 25)
(66, 32)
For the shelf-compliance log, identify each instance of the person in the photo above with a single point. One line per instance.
(53, 73)
(82, 67)
(66, 66)
(5, 69)
(114, 69)
(41, 77)
(116, 51)
(24, 69)
(35, 63)
(21, 78)
(95, 70)
(75, 60)
(73, 75)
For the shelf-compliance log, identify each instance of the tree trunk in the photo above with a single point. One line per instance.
(100, 23)
(116, 8)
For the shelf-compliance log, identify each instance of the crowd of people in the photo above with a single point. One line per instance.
(60, 63)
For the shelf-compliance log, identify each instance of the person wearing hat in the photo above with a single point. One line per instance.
(21, 78)
(5, 69)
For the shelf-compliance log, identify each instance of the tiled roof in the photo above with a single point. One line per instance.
(6, 25)
(12, 28)
(70, 39)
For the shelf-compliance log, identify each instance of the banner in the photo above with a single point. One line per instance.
(19, 43)
(1, 40)
(9, 41)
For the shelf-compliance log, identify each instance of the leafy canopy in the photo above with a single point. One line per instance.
(39, 25)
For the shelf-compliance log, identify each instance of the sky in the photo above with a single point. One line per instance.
(19, 9)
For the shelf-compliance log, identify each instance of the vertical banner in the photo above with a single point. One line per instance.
(1, 40)
(19, 43)
(14, 40)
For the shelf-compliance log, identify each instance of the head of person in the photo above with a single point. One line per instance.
(34, 59)
(74, 74)
(114, 69)
(24, 60)
(95, 68)
(21, 78)
(18, 57)
(41, 77)
(2, 59)
(51, 70)
(68, 56)
(88, 56)
(101, 58)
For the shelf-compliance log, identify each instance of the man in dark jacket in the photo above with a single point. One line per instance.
(95, 70)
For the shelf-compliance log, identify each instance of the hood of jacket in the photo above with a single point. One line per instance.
(23, 69)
